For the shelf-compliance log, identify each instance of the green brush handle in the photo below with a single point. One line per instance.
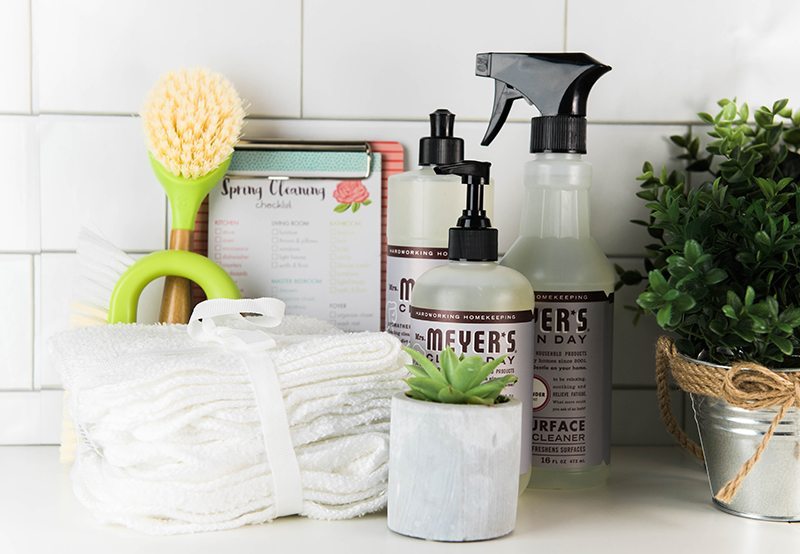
(214, 281)
(186, 195)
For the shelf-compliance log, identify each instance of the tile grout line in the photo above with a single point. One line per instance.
(302, 54)
(30, 57)
(566, 11)
(607, 122)
(34, 320)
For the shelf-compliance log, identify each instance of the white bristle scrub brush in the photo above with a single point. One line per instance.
(192, 120)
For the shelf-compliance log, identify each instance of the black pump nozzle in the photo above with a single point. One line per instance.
(473, 238)
(441, 147)
(558, 84)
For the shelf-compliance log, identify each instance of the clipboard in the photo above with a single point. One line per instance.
(305, 222)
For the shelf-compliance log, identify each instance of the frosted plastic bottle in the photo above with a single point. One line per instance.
(488, 307)
(422, 206)
(420, 213)
(568, 271)
(573, 280)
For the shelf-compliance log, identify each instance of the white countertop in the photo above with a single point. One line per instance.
(657, 501)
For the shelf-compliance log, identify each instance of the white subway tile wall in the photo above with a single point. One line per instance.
(94, 172)
(20, 210)
(673, 59)
(94, 56)
(57, 291)
(16, 323)
(75, 73)
(364, 60)
(15, 56)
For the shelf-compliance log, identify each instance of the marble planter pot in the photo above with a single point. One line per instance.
(453, 469)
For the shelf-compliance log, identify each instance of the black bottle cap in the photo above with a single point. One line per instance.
(472, 245)
(558, 84)
(441, 147)
(473, 239)
(558, 133)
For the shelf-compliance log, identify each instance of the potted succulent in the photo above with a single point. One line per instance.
(723, 277)
(454, 451)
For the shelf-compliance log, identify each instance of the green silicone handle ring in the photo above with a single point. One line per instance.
(214, 281)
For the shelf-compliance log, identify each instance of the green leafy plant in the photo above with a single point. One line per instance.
(460, 380)
(723, 272)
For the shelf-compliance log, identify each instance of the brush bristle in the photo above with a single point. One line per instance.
(192, 120)
(101, 264)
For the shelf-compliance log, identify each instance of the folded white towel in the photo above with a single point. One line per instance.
(170, 435)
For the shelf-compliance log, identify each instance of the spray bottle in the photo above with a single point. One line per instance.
(573, 279)
(476, 306)
(421, 207)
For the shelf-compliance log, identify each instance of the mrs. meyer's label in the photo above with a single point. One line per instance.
(572, 379)
(404, 265)
(488, 335)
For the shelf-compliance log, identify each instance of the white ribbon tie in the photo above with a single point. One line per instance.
(222, 321)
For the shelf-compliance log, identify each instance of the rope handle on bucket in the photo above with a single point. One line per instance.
(663, 350)
(745, 385)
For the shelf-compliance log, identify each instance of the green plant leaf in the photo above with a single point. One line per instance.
(792, 136)
(749, 296)
(763, 118)
(426, 365)
(482, 401)
(683, 304)
(679, 140)
(657, 282)
(469, 370)
(729, 111)
(791, 317)
(426, 386)
(664, 316)
(723, 265)
(416, 371)
(692, 250)
(715, 276)
(744, 112)
(341, 208)
(484, 371)
(729, 312)
(705, 118)
(779, 105)
(449, 395)
(762, 238)
(784, 345)
(492, 388)
(449, 363)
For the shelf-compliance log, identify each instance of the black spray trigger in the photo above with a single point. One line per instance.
(504, 96)
(557, 84)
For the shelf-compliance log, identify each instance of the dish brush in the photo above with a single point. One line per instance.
(192, 120)
(100, 265)
(108, 288)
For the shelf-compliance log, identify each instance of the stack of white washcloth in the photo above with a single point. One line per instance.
(170, 439)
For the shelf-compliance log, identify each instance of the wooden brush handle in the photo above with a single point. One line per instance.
(176, 302)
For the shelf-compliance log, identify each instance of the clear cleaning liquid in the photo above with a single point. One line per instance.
(472, 289)
(422, 206)
(573, 283)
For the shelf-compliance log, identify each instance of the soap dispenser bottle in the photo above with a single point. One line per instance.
(476, 306)
(421, 207)
(573, 279)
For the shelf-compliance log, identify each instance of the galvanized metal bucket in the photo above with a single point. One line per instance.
(729, 436)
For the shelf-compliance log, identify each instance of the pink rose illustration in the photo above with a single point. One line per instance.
(351, 195)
